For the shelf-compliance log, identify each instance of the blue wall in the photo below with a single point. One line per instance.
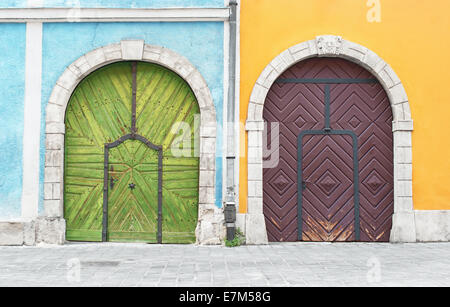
(201, 43)
(118, 3)
(12, 80)
(135, 3)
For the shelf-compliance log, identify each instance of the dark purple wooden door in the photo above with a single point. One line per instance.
(328, 210)
(297, 101)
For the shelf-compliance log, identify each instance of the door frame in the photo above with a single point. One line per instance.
(210, 227)
(403, 229)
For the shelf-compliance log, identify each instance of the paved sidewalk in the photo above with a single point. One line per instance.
(299, 264)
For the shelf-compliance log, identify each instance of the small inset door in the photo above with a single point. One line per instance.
(327, 190)
(133, 193)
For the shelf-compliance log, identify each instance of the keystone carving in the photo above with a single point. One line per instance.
(329, 45)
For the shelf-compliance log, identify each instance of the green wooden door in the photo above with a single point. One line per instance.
(133, 194)
(99, 113)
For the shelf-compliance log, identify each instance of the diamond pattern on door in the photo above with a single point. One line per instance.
(363, 109)
(328, 197)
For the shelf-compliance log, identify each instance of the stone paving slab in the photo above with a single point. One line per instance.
(275, 265)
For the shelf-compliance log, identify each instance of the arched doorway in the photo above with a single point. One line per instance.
(403, 219)
(335, 177)
(122, 180)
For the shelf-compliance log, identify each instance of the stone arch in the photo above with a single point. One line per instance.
(210, 228)
(333, 46)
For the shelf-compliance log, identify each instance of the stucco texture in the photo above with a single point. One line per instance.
(12, 76)
(412, 37)
(200, 43)
(116, 3)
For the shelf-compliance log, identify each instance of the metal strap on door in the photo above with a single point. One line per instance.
(132, 136)
(328, 131)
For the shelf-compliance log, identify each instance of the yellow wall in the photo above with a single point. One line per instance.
(413, 37)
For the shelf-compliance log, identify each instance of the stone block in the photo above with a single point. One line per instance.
(207, 162)
(68, 80)
(255, 172)
(208, 145)
(152, 53)
(398, 94)
(373, 62)
(54, 142)
(59, 96)
(132, 50)
(268, 77)
(403, 155)
(403, 204)
(53, 158)
(402, 139)
(80, 67)
(207, 195)
(183, 67)
(252, 126)
(96, 58)
(255, 204)
(255, 140)
(433, 226)
(53, 174)
(255, 229)
(208, 116)
(196, 81)
(259, 94)
(169, 58)
(56, 191)
(50, 230)
(207, 179)
(404, 229)
(113, 52)
(55, 128)
(403, 188)
(255, 188)
(354, 51)
(403, 172)
(240, 222)
(48, 191)
(403, 125)
(204, 97)
(53, 208)
(54, 113)
(301, 51)
(11, 233)
(29, 238)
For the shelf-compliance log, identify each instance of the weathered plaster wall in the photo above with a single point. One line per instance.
(201, 43)
(117, 3)
(134, 3)
(13, 3)
(412, 37)
(12, 76)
